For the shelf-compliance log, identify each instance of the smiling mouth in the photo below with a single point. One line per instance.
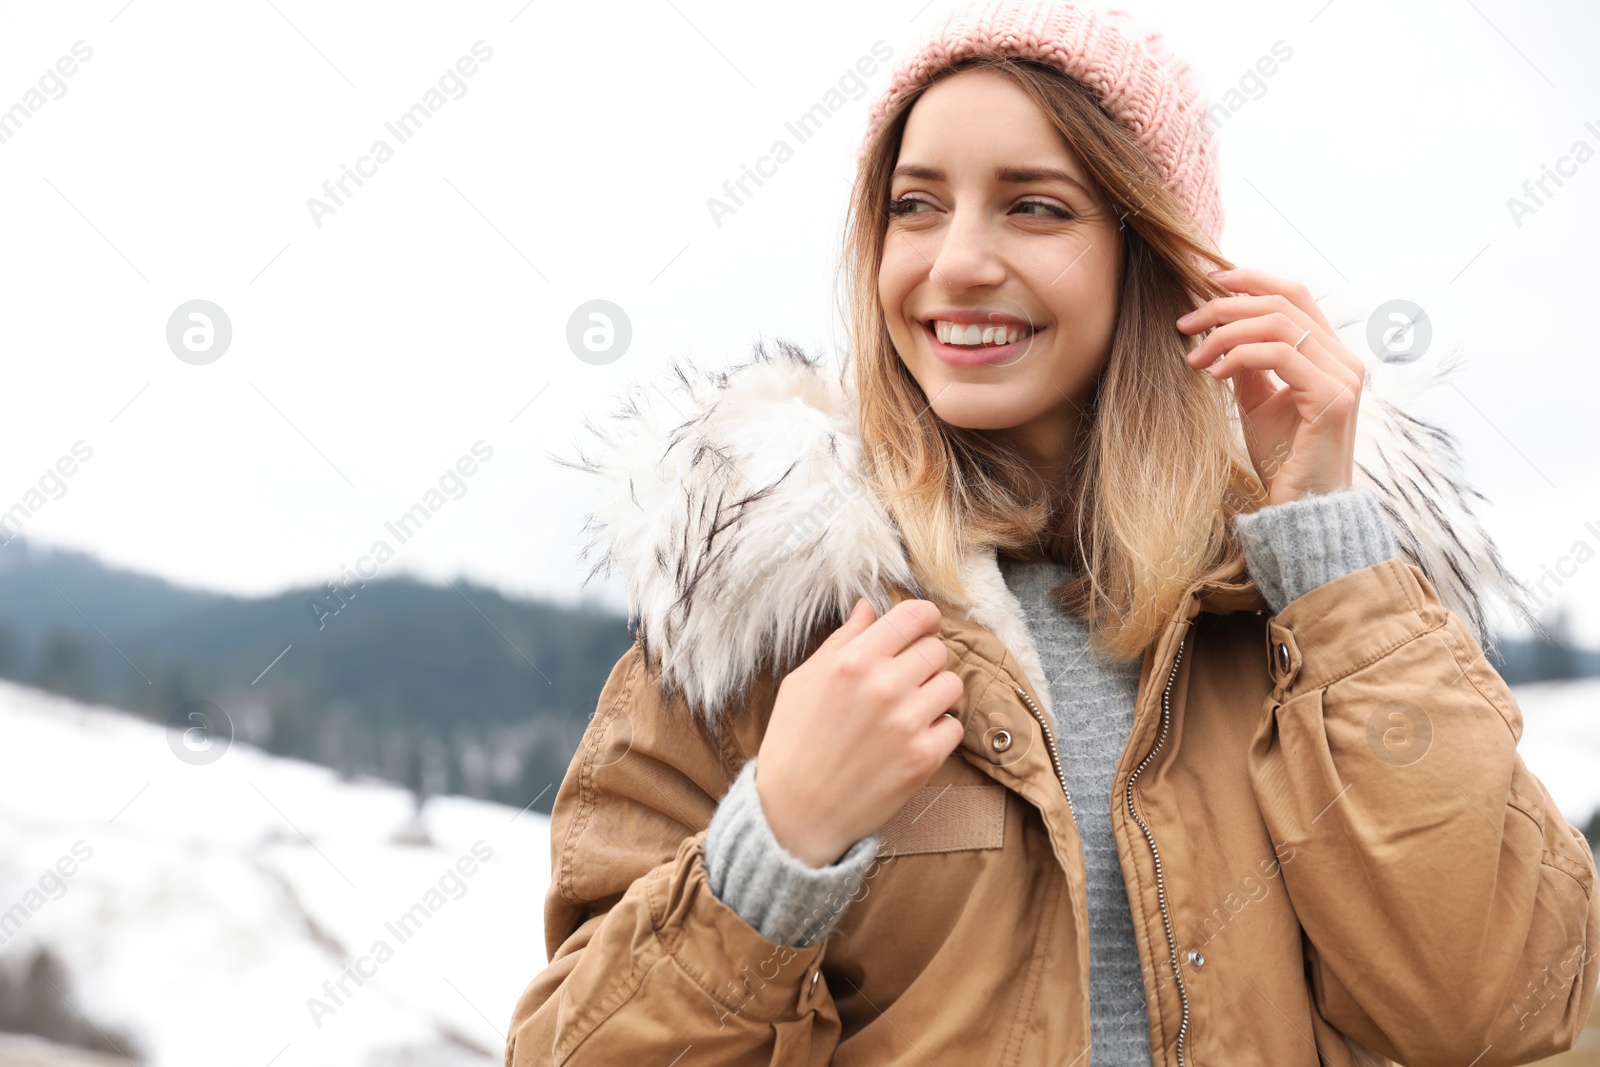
(994, 351)
(978, 335)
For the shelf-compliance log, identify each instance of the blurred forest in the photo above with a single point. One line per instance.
(449, 689)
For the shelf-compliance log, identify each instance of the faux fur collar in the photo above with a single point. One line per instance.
(736, 507)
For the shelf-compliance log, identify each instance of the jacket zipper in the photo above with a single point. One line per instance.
(1050, 744)
(1161, 889)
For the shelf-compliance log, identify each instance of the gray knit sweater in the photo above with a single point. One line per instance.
(1289, 548)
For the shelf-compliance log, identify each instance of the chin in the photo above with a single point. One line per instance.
(975, 406)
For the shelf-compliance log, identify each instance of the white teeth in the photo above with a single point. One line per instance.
(955, 333)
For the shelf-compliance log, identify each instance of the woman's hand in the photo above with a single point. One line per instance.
(1302, 434)
(856, 729)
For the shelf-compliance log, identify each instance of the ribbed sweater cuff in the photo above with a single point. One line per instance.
(786, 899)
(1292, 548)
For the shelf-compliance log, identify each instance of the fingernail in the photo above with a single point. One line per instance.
(1220, 273)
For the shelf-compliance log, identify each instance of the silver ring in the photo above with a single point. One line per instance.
(1302, 338)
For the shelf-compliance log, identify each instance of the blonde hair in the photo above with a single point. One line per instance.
(1162, 464)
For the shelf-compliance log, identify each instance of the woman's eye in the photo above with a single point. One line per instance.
(1052, 209)
(903, 205)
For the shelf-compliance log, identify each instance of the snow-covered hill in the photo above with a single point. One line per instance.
(209, 911)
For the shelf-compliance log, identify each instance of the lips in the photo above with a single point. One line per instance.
(978, 355)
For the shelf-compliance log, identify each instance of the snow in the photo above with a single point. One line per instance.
(218, 899)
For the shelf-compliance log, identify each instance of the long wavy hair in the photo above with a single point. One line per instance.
(1161, 465)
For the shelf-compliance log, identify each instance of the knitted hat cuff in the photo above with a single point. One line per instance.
(1138, 81)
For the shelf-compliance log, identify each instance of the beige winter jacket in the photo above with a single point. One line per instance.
(1329, 840)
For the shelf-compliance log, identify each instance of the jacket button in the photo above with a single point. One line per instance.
(1196, 959)
(1283, 657)
(815, 978)
(1001, 740)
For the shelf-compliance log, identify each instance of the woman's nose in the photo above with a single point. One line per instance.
(967, 255)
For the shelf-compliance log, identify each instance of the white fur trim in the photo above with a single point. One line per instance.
(738, 508)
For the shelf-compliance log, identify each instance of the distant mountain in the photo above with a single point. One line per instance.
(42, 589)
(448, 688)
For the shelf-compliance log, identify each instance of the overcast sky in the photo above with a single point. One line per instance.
(377, 338)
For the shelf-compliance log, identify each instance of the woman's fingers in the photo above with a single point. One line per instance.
(900, 626)
(1315, 392)
(861, 616)
(1295, 368)
(920, 661)
(1292, 320)
(1268, 329)
(1260, 283)
(945, 734)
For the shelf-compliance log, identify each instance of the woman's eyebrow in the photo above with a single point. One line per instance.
(1023, 175)
(1008, 175)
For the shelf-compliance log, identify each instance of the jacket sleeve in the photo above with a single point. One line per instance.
(788, 900)
(645, 961)
(1449, 911)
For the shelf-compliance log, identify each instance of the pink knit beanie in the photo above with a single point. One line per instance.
(1137, 80)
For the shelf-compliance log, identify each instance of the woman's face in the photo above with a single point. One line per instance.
(987, 233)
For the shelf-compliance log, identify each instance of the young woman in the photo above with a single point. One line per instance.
(1052, 690)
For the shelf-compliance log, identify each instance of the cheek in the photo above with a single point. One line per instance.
(1085, 294)
(896, 278)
